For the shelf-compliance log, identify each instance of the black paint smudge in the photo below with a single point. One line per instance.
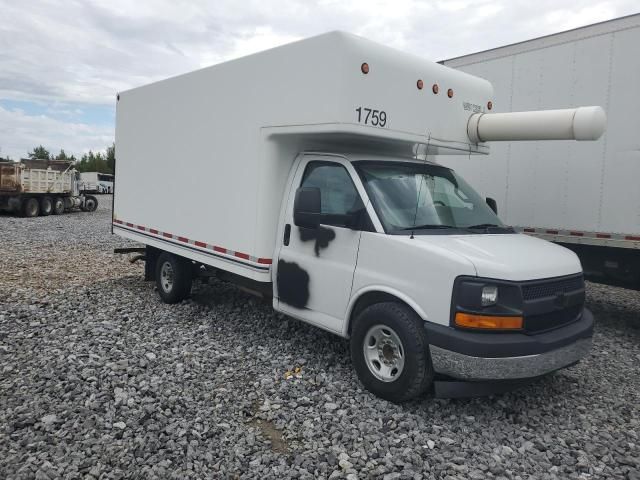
(293, 284)
(322, 235)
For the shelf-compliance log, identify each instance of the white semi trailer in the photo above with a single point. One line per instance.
(303, 173)
(583, 196)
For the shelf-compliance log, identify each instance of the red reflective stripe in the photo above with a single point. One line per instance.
(632, 237)
(244, 256)
(531, 230)
(577, 234)
(554, 232)
(603, 235)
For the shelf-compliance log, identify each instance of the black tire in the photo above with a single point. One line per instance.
(416, 376)
(46, 206)
(179, 286)
(58, 206)
(30, 207)
(90, 203)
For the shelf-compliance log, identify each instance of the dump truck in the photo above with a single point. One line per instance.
(304, 174)
(42, 187)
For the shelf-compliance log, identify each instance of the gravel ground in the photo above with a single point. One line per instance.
(102, 380)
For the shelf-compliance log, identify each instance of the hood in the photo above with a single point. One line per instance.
(515, 256)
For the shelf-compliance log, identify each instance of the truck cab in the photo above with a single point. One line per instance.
(404, 258)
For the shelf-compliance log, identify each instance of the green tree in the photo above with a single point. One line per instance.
(111, 158)
(40, 152)
(63, 156)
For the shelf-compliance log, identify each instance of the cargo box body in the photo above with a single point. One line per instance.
(203, 159)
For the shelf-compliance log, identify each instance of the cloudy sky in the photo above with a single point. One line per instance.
(62, 62)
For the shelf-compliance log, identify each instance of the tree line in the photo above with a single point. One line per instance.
(89, 162)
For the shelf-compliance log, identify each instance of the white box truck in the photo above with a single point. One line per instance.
(303, 173)
(583, 196)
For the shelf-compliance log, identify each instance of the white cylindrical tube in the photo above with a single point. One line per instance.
(582, 123)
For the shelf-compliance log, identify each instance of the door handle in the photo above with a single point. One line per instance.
(287, 235)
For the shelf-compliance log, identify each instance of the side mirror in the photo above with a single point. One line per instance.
(493, 205)
(306, 207)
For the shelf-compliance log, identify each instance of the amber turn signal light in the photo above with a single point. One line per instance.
(487, 322)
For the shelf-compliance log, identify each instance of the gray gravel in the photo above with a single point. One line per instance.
(102, 380)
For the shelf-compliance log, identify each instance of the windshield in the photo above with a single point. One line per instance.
(423, 196)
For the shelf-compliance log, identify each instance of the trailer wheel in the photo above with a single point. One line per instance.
(390, 352)
(30, 207)
(46, 206)
(58, 206)
(90, 203)
(173, 277)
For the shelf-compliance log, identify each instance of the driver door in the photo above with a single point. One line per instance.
(315, 267)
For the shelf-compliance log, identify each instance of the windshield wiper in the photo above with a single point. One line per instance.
(428, 226)
(484, 225)
(487, 226)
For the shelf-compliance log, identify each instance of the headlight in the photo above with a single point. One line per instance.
(486, 304)
(489, 295)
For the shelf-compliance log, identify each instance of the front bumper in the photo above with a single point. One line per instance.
(508, 356)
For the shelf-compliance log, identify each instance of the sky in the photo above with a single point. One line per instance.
(63, 62)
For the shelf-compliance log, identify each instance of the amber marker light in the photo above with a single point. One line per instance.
(487, 322)
(364, 68)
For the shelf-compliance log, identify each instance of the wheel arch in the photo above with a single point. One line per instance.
(377, 294)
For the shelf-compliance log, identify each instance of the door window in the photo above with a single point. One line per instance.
(338, 193)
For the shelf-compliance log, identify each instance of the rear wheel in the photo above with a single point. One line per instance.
(30, 207)
(46, 206)
(173, 277)
(58, 206)
(390, 352)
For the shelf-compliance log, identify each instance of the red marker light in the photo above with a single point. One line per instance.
(365, 68)
(435, 88)
(419, 84)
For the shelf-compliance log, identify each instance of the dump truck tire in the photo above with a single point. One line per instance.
(31, 207)
(90, 203)
(58, 206)
(46, 206)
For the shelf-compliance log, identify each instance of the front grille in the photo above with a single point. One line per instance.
(550, 288)
(551, 320)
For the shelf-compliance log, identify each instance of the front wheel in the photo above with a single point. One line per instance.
(390, 352)
(173, 277)
(90, 203)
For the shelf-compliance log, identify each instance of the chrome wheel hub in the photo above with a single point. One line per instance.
(383, 353)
